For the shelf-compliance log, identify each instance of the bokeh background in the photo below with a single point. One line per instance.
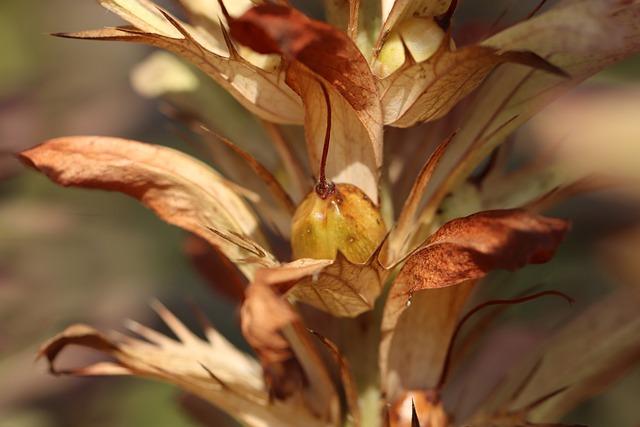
(70, 255)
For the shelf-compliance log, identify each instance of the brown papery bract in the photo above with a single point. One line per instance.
(462, 250)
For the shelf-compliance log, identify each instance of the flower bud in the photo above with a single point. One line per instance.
(339, 218)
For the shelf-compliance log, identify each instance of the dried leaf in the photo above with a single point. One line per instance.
(338, 287)
(571, 360)
(289, 358)
(428, 90)
(213, 370)
(265, 336)
(178, 188)
(462, 250)
(581, 37)
(261, 90)
(322, 59)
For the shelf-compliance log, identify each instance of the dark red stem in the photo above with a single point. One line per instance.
(480, 307)
(324, 188)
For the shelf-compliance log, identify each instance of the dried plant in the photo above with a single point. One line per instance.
(360, 322)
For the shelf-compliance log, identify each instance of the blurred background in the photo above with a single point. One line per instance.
(69, 255)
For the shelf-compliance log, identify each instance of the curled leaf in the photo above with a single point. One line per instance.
(291, 363)
(322, 60)
(178, 188)
(462, 250)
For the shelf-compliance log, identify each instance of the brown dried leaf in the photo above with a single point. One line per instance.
(462, 250)
(289, 358)
(571, 360)
(264, 315)
(261, 90)
(428, 90)
(338, 287)
(178, 188)
(321, 58)
(213, 370)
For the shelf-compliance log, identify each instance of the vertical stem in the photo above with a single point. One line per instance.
(324, 188)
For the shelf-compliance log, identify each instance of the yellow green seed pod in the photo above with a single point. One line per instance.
(337, 218)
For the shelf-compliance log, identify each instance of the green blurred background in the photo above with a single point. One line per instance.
(70, 255)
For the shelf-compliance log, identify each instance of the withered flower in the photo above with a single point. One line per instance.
(360, 325)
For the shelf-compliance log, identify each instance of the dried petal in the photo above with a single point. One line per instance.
(178, 188)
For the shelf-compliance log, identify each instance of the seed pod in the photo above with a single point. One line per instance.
(341, 218)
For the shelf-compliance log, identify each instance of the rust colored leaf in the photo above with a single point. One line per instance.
(462, 250)
(291, 363)
(178, 188)
(261, 89)
(322, 59)
(428, 90)
(264, 315)
(338, 287)
(320, 47)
